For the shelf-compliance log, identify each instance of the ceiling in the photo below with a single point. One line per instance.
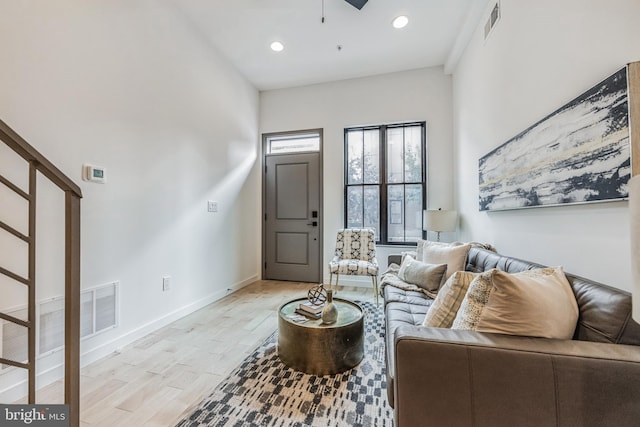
(242, 30)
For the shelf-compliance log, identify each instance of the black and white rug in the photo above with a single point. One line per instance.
(264, 392)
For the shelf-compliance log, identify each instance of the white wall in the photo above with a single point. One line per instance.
(133, 87)
(541, 55)
(423, 94)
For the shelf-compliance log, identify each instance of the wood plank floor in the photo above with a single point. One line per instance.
(163, 376)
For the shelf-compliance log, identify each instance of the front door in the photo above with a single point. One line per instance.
(293, 222)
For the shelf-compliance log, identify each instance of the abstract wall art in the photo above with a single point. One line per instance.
(579, 153)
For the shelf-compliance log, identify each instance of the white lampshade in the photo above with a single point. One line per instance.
(439, 220)
(634, 217)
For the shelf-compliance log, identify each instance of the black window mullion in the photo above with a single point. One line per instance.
(383, 183)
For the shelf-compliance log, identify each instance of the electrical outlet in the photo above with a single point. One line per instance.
(166, 283)
(212, 206)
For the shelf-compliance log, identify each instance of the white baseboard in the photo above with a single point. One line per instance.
(19, 389)
(117, 344)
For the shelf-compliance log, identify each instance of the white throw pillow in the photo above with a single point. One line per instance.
(454, 255)
(537, 303)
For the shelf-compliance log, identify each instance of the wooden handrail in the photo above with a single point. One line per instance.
(30, 154)
(38, 163)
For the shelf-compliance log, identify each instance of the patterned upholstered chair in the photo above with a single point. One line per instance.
(355, 255)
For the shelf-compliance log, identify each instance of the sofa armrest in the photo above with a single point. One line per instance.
(461, 378)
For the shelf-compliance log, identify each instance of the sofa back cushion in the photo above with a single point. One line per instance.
(605, 312)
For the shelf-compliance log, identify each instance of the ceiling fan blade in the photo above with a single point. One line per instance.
(358, 4)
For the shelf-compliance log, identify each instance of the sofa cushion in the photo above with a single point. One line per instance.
(446, 304)
(427, 276)
(605, 312)
(536, 302)
(455, 256)
(401, 308)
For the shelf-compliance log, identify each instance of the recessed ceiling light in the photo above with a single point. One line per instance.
(277, 47)
(400, 22)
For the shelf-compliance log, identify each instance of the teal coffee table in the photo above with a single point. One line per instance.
(315, 348)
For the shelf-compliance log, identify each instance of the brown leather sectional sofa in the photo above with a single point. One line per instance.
(444, 377)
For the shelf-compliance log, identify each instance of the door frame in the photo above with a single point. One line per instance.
(265, 154)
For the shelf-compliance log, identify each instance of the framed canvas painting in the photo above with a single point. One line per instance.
(580, 153)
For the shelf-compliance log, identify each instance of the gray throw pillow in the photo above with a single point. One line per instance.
(427, 276)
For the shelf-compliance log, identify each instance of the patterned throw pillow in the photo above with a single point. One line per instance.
(427, 276)
(446, 304)
(538, 302)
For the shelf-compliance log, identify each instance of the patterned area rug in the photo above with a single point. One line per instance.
(264, 392)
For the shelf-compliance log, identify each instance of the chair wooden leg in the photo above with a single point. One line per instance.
(374, 279)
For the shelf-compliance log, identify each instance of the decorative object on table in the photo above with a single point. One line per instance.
(355, 255)
(330, 311)
(579, 153)
(264, 390)
(307, 314)
(634, 216)
(311, 308)
(317, 295)
(439, 221)
(298, 318)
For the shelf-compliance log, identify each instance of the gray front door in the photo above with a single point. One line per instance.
(293, 226)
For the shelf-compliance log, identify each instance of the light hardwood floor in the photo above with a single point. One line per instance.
(163, 376)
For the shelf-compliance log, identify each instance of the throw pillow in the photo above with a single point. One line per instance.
(420, 247)
(427, 276)
(537, 303)
(446, 304)
(454, 255)
(405, 254)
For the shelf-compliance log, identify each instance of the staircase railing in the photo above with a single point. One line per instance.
(38, 163)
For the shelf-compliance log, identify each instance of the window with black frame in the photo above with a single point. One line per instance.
(385, 180)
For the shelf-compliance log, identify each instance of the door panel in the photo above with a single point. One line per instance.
(292, 185)
(292, 223)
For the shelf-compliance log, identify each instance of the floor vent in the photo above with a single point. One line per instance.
(13, 339)
(98, 313)
(493, 19)
(98, 309)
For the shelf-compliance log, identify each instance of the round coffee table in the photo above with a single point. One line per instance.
(315, 348)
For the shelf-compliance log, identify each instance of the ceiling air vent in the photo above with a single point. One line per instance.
(493, 19)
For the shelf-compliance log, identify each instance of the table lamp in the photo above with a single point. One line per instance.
(439, 220)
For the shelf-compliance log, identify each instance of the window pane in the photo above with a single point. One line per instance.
(395, 213)
(372, 156)
(395, 164)
(354, 207)
(413, 213)
(293, 144)
(372, 208)
(413, 154)
(354, 157)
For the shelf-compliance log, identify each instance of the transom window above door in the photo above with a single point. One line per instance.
(293, 142)
(385, 170)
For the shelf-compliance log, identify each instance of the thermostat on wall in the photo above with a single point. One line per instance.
(95, 174)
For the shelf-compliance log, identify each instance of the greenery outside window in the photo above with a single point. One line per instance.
(385, 180)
